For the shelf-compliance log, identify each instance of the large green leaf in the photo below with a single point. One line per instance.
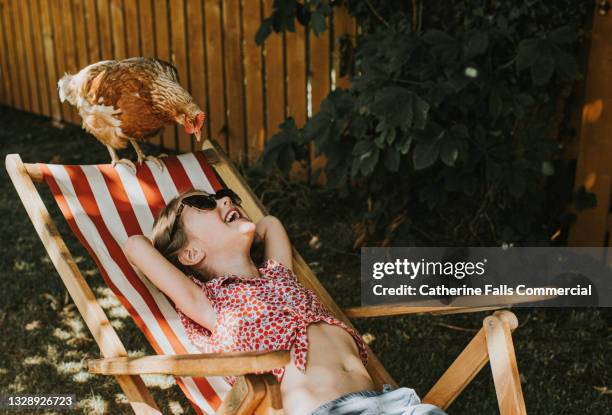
(563, 35)
(449, 151)
(368, 164)
(425, 154)
(395, 105)
(420, 111)
(391, 159)
(264, 31)
(476, 44)
(528, 52)
(362, 147)
(442, 44)
(542, 69)
(317, 23)
(566, 67)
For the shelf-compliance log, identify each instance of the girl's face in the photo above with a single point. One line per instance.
(226, 227)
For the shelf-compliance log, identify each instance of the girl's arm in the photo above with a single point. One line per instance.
(276, 241)
(187, 296)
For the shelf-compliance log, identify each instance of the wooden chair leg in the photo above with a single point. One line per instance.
(493, 342)
(272, 403)
(244, 397)
(498, 331)
(460, 373)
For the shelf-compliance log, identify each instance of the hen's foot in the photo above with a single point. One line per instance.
(125, 162)
(155, 160)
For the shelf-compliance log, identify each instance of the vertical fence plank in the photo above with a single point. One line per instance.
(40, 83)
(82, 59)
(215, 82)
(343, 24)
(22, 73)
(319, 68)
(9, 98)
(106, 31)
(4, 94)
(60, 52)
(296, 75)
(320, 85)
(29, 69)
(295, 49)
(132, 32)
(594, 163)
(118, 29)
(255, 132)
(275, 78)
(234, 77)
(195, 46)
(46, 88)
(92, 25)
(81, 37)
(162, 45)
(50, 48)
(70, 51)
(11, 41)
(179, 59)
(29, 53)
(147, 26)
(147, 40)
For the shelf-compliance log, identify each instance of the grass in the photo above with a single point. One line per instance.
(563, 354)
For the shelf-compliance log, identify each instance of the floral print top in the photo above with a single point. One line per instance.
(268, 313)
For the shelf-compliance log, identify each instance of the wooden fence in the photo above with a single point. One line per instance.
(245, 90)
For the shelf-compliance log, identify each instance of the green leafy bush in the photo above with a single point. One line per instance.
(452, 130)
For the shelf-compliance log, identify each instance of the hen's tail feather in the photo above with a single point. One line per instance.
(66, 89)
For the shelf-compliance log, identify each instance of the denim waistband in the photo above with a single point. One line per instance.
(364, 394)
(394, 402)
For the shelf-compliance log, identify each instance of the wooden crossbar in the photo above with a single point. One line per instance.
(193, 364)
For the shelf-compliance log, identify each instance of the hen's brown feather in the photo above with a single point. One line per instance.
(132, 98)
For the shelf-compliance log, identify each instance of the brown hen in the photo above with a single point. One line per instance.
(129, 101)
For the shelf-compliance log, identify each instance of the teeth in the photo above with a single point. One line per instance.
(233, 216)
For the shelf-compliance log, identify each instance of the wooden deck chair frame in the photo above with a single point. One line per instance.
(259, 393)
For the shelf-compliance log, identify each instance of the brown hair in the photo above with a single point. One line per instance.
(168, 244)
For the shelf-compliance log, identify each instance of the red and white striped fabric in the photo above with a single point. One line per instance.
(104, 206)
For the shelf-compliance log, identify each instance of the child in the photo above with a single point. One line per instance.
(200, 257)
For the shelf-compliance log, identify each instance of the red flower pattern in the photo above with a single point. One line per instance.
(271, 312)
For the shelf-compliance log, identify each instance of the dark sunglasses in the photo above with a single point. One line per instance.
(204, 202)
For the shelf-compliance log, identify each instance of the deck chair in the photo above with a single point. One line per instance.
(104, 205)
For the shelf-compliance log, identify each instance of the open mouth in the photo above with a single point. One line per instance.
(233, 215)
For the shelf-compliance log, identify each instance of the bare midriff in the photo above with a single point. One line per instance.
(333, 369)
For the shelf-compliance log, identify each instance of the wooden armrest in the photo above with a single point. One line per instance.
(197, 364)
(433, 307)
(398, 310)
